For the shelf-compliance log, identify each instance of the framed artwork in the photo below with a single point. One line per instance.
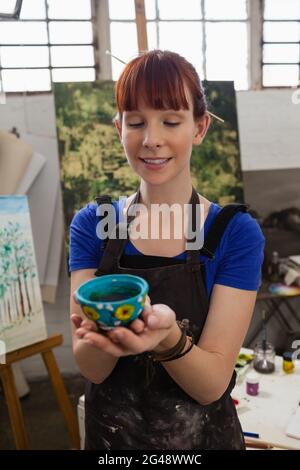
(22, 320)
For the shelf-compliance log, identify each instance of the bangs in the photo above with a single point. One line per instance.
(154, 80)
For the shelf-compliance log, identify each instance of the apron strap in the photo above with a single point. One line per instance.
(218, 227)
(105, 199)
(113, 248)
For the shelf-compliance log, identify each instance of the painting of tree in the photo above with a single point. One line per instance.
(21, 310)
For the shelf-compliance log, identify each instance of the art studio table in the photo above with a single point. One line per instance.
(269, 413)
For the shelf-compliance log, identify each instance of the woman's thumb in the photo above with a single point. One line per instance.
(76, 320)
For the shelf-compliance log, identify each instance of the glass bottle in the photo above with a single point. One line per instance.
(264, 358)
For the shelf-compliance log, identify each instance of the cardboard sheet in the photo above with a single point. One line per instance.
(15, 157)
(36, 163)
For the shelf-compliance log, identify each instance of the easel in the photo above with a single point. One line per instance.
(13, 402)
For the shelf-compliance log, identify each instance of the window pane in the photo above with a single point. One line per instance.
(123, 49)
(150, 9)
(15, 32)
(123, 10)
(170, 10)
(73, 75)
(78, 9)
(282, 9)
(280, 75)
(152, 35)
(70, 32)
(63, 56)
(230, 9)
(281, 32)
(227, 59)
(24, 56)
(281, 53)
(33, 10)
(175, 36)
(8, 6)
(26, 80)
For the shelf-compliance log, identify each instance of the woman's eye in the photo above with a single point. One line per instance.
(172, 123)
(136, 124)
(140, 124)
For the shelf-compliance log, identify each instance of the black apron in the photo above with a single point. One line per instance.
(139, 406)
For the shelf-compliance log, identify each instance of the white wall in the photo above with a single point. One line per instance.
(269, 129)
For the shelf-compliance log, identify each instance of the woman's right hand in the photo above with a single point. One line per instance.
(137, 325)
(88, 325)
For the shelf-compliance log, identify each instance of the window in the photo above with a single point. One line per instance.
(52, 41)
(281, 43)
(212, 34)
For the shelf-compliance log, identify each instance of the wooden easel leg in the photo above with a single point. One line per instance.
(62, 397)
(14, 407)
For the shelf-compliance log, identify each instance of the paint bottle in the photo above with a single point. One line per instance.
(287, 362)
(252, 384)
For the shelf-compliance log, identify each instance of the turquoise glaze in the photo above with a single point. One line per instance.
(112, 300)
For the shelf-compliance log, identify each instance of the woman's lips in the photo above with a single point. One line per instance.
(155, 163)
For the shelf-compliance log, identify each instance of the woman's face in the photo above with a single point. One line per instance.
(158, 143)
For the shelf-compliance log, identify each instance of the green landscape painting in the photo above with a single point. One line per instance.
(92, 159)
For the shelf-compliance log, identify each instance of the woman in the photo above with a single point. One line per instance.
(182, 399)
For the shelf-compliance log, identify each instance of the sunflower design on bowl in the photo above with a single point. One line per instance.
(125, 312)
(142, 300)
(91, 313)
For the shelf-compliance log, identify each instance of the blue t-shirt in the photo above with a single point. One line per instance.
(238, 258)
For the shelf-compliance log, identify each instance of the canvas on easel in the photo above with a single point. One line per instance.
(22, 320)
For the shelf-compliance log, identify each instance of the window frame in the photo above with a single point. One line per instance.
(101, 41)
(49, 44)
(263, 43)
(202, 21)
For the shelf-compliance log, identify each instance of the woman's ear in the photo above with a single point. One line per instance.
(118, 125)
(201, 127)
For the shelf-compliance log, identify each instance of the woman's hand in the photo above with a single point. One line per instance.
(144, 334)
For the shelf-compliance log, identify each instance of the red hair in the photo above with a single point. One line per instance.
(159, 78)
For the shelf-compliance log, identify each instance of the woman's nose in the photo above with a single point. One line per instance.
(152, 139)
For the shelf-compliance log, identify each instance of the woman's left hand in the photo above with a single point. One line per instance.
(141, 336)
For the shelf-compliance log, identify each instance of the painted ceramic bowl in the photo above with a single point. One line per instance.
(112, 300)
